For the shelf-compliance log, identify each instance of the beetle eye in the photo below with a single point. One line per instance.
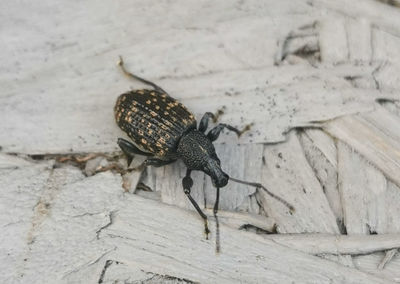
(216, 159)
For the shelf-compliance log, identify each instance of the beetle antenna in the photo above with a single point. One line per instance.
(259, 185)
(120, 63)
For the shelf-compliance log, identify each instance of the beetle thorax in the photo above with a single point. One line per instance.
(195, 149)
(198, 153)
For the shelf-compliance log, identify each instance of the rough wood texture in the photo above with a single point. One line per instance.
(375, 135)
(288, 174)
(70, 110)
(321, 153)
(337, 244)
(329, 67)
(92, 226)
(362, 189)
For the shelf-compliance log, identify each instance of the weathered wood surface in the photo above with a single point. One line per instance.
(92, 226)
(71, 110)
(375, 135)
(337, 244)
(329, 66)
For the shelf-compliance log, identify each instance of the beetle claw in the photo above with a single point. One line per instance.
(120, 61)
(246, 128)
(219, 112)
(206, 230)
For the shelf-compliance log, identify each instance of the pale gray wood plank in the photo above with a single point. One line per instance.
(392, 106)
(369, 9)
(91, 221)
(342, 259)
(385, 121)
(333, 40)
(387, 77)
(362, 189)
(64, 120)
(384, 46)
(324, 143)
(317, 148)
(168, 180)
(242, 162)
(369, 264)
(284, 108)
(220, 267)
(376, 141)
(392, 206)
(359, 39)
(388, 257)
(59, 84)
(304, 39)
(288, 175)
(369, 201)
(338, 244)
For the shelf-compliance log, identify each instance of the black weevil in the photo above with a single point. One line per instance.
(164, 130)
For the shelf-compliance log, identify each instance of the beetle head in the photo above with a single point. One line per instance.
(213, 169)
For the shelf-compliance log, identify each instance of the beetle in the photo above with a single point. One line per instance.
(164, 130)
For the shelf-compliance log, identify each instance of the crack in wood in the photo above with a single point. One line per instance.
(161, 278)
(258, 230)
(111, 216)
(103, 272)
(388, 257)
(89, 263)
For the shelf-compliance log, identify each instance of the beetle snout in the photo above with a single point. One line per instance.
(218, 177)
(223, 180)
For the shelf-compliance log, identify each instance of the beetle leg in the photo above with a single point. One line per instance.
(218, 114)
(217, 245)
(213, 134)
(130, 150)
(204, 121)
(187, 183)
(157, 162)
(129, 74)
